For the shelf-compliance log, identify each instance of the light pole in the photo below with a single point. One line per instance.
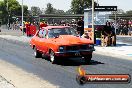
(115, 22)
(8, 14)
(93, 19)
(22, 18)
(97, 12)
(97, 3)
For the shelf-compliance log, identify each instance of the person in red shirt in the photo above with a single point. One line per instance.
(43, 24)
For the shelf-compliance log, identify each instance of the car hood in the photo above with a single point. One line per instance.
(70, 40)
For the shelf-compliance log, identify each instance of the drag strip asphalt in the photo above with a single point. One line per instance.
(64, 73)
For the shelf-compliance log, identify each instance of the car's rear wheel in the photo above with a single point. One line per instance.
(52, 57)
(36, 53)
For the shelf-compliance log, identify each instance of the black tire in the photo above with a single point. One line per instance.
(52, 57)
(37, 54)
(87, 60)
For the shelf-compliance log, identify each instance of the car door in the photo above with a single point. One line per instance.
(38, 40)
(43, 41)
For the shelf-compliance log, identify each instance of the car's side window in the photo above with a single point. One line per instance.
(40, 34)
(50, 34)
(44, 33)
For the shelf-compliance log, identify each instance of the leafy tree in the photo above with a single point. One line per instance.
(35, 11)
(119, 11)
(78, 6)
(129, 12)
(59, 12)
(26, 12)
(69, 12)
(49, 9)
(3, 9)
(14, 9)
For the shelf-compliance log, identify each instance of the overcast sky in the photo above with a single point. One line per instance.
(65, 4)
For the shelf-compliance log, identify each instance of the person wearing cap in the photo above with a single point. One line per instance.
(43, 24)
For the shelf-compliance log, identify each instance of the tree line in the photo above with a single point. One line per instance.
(14, 9)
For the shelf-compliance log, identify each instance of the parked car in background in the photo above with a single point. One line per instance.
(58, 42)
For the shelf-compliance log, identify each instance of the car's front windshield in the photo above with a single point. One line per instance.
(55, 32)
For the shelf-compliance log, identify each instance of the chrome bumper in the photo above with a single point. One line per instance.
(90, 50)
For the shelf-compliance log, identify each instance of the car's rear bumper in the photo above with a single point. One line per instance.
(78, 53)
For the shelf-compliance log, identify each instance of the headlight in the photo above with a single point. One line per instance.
(61, 48)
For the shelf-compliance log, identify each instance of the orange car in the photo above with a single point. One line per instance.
(61, 41)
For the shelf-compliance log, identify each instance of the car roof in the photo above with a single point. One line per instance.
(51, 27)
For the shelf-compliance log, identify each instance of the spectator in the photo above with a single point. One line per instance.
(108, 34)
(121, 30)
(130, 30)
(124, 30)
(80, 27)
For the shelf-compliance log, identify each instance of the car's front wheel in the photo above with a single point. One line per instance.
(52, 57)
(87, 60)
(36, 53)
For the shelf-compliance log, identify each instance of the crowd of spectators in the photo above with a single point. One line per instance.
(124, 27)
